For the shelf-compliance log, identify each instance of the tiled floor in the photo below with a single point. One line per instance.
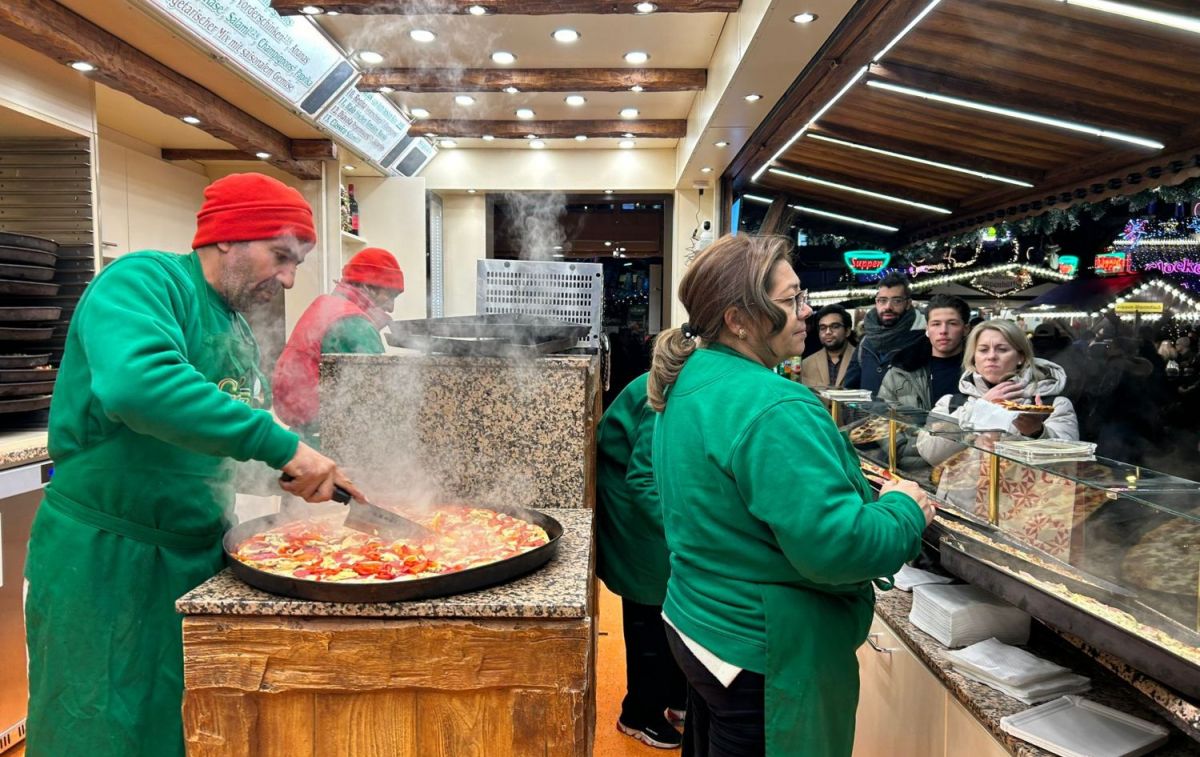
(610, 686)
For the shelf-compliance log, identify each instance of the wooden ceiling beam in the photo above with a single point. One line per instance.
(534, 79)
(55, 31)
(314, 149)
(864, 31)
(184, 153)
(501, 7)
(646, 128)
(926, 152)
(1015, 98)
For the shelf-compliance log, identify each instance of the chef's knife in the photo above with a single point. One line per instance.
(372, 519)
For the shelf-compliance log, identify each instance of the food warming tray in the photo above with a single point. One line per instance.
(441, 585)
(496, 335)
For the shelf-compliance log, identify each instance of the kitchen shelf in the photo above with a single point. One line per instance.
(347, 237)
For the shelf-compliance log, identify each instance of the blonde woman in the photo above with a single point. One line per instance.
(774, 536)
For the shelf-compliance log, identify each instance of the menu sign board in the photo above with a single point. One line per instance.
(288, 55)
(1139, 307)
(368, 123)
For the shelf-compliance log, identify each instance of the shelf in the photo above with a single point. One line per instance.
(348, 238)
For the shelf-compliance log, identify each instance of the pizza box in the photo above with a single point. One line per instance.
(1076, 727)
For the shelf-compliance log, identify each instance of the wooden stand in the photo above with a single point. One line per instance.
(267, 686)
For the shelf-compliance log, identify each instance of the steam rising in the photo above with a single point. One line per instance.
(535, 223)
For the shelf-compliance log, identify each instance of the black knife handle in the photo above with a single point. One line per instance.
(340, 495)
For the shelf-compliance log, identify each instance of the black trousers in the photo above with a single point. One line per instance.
(722, 721)
(653, 682)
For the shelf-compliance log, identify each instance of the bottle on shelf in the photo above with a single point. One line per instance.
(353, 211)
(345, 209)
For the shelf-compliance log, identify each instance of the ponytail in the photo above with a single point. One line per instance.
(671, 351)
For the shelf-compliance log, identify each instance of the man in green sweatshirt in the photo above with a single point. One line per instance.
(158, 389)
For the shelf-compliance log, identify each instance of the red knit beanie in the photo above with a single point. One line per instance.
(243, 207)
(374, 266)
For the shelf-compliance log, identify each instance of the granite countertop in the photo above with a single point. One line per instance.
(22, 448)
(559, 589)
(989, 705)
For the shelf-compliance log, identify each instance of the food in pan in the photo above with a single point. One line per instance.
(1166, 559)
(871, 431)
(1025, 407)
(463, 537)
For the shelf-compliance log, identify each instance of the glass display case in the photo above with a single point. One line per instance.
(1105, 550)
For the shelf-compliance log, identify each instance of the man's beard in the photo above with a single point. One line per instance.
(243, 296)
(836, 346)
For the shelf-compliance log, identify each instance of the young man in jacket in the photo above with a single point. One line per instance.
(925, 371)
(890, 327)
(159, 387)
(346, 321)
(827, 366)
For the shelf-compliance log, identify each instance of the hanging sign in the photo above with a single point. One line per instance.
(1182, 266)
(1139, 307)
(1002, 283)
(1068, 264)
(287, 55)
(369, 124)
(863, 263)
(1112, 263)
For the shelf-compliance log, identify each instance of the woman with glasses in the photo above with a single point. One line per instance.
(774, 536)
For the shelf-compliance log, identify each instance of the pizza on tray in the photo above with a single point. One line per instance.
(1025, 407)
(319, 550)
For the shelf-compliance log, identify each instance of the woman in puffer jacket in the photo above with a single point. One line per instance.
(999, 365)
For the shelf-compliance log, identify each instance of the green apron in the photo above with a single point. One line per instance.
(128, 524)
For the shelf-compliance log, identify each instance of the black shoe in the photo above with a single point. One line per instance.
(659, 733)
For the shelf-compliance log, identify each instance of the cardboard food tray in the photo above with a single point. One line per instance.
(1072, 726)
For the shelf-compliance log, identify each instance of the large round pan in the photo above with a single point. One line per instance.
(28, 288)
(24, 404)
(26, 272)
(24, 256)
(23, 375)
(24, 360)
(29, 313)
(9, 239)
(26, 389)
(26, 334)
(470, 579)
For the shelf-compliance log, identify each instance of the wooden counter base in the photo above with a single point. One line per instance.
(268, 686)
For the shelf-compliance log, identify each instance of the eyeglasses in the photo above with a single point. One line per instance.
(830, 327)
(799, 300)
(890, 300)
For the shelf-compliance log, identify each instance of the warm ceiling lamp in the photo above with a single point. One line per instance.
(629, 112)
(636, 88)
(447, 143)
(575, 100)
(262, 155)
(636, 57)
(82, 66)
(312, 10)
(644, 8)
(580, 137)
(804, 18)
(706, 169)
(419, 113)
(566, 36)
(192, 120)
(625, 144)
(722, 143)
(487, 138)
(464, 100)
(511, 90)
(1171, 20)
(503, 57)
(537, 144)
(386, 90)
(370, 57)
(525, 113)
(477, 10)
(753, 97)
(422, 35)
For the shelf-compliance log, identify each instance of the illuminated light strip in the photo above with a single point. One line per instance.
(928, 8)
(825, 214)
(1173, 20)
(1046, 273)
(811, 122)
(1017, 114)
(1158, 243)
(847, 219)
(858, 191)
(922, 161)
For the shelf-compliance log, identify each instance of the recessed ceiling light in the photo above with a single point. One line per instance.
(422, 35)
(477, 10)
(370, 57)
(312, 10)
(608, 191)
(332, 13)
(487, 138)
(629, 112)
(191, 120)
(537, 144)
(625, 144)
(575, 100)
(530, 136)
(566, 35)
(470, 191)
(447, 143)
(347, 167)
(804, 18)
(419, 113)
(644, 8)
(525, 113)
(706, 169)
(82, 65)
(503, 57)
(431, 134)
(628, 135)
(580, 137)
(753, 98)
(722, 143)
(608, 244)
(636, 88)
(386, 90)
(511, 90)
(262, 155)
(464, 99)
(637, 56)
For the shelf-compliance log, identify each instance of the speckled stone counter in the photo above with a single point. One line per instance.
(521, 432)
(989, 705)
(560, 589)
(22, 447)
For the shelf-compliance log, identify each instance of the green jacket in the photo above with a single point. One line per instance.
(774, 541)
(157, 390)
(631, 558)
(353, 336)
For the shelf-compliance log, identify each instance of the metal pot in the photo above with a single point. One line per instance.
(441, 585)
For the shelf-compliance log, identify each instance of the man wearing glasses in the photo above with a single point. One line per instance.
(827, 366)
(893, 325)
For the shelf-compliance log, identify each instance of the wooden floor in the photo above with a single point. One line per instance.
(610, 675)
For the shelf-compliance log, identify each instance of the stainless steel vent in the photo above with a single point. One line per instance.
(569, 292)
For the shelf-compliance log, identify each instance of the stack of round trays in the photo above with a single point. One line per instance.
(28, 320)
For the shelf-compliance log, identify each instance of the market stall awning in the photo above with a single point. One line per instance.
(1084, 294)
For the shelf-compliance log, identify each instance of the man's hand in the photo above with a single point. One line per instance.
(314, 476)
(904, 486)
